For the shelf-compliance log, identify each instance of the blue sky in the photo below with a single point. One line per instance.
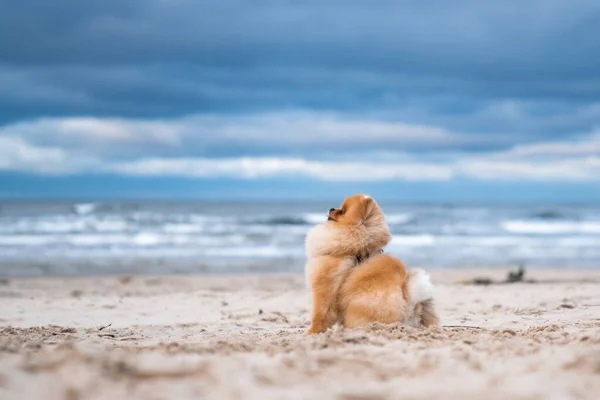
(419, 101)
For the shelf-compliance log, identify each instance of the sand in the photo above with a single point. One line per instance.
(237, 337)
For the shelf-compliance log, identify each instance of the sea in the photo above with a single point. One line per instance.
(95, 238)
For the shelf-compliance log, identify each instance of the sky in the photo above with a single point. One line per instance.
(278, 99)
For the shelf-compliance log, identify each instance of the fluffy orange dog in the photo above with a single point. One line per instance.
(353, 281)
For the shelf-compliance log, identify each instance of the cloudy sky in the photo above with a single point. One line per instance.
(424, 101)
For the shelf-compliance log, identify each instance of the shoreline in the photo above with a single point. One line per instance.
(8, 269)
(444, 275)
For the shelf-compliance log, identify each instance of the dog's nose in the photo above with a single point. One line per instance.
(331, 210)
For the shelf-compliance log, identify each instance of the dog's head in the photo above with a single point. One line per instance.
(356, 211)
(358, 227)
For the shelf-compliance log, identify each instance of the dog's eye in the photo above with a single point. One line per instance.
(342, 212)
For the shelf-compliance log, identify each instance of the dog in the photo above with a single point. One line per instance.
(353, 281)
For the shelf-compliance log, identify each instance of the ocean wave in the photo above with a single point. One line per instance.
(413, 240)
(280, 220)
(54, 225)
(548, 214)
(490, 242)
(213, 253)
(66, 224)
(183, 228)
(292, 220)
(84, 208)
(142, 239)
(25, 240)
(116, 225)
(314, 218)
(172, 223)
(319, 218)
(540, 235)
(254, 251)
(399, 219)
(550, 228)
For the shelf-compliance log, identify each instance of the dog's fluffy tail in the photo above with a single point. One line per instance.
(420, 288)
(420, 297)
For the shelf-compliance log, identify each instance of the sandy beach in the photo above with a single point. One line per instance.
(236, 337)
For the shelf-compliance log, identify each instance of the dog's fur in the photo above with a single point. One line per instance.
(352, 283)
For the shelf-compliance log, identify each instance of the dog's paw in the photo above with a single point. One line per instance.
(313, 331)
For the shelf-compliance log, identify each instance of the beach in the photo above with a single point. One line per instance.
(242, 336)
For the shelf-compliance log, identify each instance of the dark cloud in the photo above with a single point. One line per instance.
(149, 76)
(429, 36)
(170, 58)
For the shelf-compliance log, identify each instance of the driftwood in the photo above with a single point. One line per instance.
(512, 277)
(518, 276)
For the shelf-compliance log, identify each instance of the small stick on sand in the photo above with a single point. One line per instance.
(104, 327)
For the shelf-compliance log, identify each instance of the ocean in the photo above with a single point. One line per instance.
(71, 238)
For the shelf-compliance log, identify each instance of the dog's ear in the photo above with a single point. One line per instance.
(369, 205)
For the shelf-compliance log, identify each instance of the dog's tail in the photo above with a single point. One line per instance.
(420, 288)
(420, 298)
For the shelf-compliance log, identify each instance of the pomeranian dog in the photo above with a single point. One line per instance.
(353, 281)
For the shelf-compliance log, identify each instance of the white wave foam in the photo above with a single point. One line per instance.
(314, 218)
(56, 226)
(147, 239)
(413, 240)
(93, 240)
(206, 219)
(140, 240)
(490, 242)
(550, 228)
(254, 251)
(85, 208)
(109, 225)
(183, 228)
(588, 241)
(25, 240)
(398, 219)
(65, 225)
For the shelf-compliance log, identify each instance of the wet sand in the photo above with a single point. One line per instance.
(236, 337)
